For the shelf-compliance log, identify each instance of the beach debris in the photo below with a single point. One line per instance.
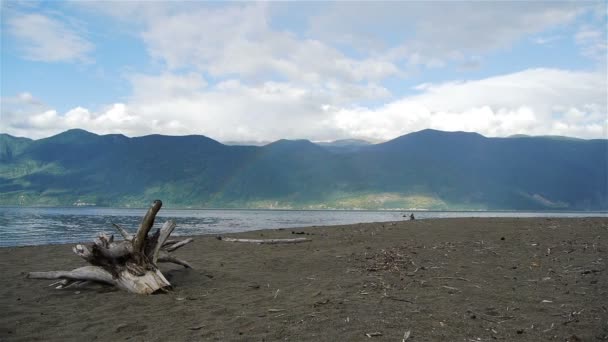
(373, 334)
(130, 264)
(406, 335)
(264, 241)
(451, 288)
(321, 302)
(452, 278)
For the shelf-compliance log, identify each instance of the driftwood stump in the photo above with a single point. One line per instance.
(129, 264)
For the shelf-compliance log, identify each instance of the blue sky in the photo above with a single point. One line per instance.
(247, 71)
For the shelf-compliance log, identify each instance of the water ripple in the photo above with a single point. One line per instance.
(36, 226)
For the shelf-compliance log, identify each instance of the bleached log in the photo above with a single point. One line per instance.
(93, 273)
(178, 244)
(149, 283)
(265, 241)
(170, 242)
(129, 264)
(146, 284)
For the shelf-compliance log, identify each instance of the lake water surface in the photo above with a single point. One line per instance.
(37, 226)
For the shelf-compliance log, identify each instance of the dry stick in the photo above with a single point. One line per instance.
(122, 232)
(165, 231)
(146, 224)
(78, 284)
(170, 242)
(265, 241)
(399, 299)
(453, 278)
(178, 244)
(172, 259)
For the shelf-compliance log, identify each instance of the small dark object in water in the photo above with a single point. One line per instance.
(412, 217)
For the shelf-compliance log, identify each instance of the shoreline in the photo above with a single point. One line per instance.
(525, 279)
(419, 210)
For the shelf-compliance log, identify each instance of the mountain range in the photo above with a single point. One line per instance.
(428, 169)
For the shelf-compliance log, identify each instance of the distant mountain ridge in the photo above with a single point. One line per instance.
(428, 169)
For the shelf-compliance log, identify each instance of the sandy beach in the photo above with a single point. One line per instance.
(426, 280)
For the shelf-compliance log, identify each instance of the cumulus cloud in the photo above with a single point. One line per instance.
(43, 38)
(535, 102)
(226, 41)
(27, 116)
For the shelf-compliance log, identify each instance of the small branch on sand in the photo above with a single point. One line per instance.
(452, 278)
(264, 241)
(129, 264)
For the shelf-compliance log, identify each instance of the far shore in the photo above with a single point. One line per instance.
(456, 279)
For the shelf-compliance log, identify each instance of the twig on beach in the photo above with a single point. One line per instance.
(373, 334)
(451, 288)
(399, 299)
(452, 278)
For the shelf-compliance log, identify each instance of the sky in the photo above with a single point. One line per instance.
(263, 71)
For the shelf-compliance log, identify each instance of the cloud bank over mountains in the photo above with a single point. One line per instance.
(259, 72)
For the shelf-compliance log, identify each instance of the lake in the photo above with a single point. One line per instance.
(37, 226)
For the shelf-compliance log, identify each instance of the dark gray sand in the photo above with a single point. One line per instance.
(436, 280)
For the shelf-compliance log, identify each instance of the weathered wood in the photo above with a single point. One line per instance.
(146, 224)
(175, 260)
(129, 264)
(93, 273)
(165, 231)
(178, 244)
(265, 241)
(122, 232)
(116, 250)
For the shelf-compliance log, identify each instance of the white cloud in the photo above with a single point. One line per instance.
(593, 42)
(433, 33)
(535, 102)
(238, 40)
(25, 115)
(43, 38)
